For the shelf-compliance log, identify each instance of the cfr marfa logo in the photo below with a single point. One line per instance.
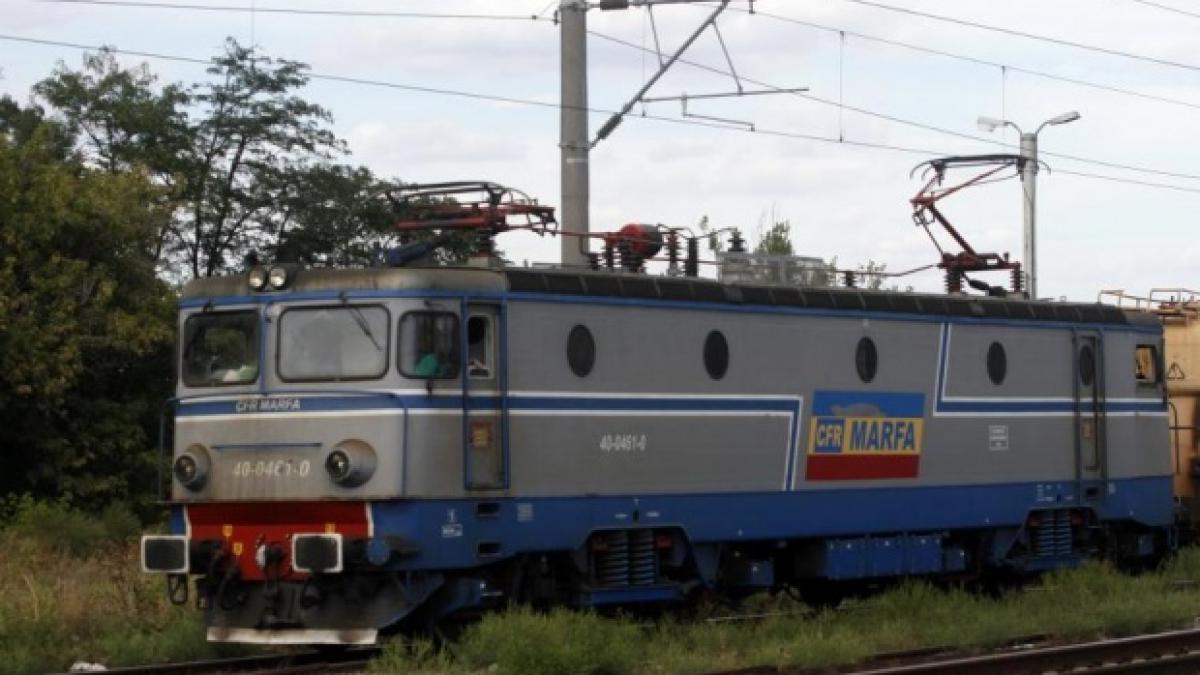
(865, 435)
(855, 435)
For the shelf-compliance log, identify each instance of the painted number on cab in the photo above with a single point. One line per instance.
(280, 468)
(623, 443)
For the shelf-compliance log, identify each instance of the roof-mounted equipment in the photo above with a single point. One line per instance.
(445, 208)
(926, 213)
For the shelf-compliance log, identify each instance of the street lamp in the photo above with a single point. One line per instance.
(1029, 169)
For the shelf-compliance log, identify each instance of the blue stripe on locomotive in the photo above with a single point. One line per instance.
(537, 524)
(889, 404)
(518, 401)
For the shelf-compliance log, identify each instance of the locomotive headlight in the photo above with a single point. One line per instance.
(350, 463)
(278, 277)
(186, 469)
(257, 278)
(338, 466)
(191, 468)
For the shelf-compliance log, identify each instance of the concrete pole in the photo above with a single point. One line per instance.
(1029, 153)
(574, 138)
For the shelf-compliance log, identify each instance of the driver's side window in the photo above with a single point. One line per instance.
(429, 345)
(480, 348)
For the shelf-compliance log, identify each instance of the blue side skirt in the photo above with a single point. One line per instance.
(460, 533)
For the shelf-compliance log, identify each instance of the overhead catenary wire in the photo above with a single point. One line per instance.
(544, 15)
(309, 12)
(924, 126)
(1130, 181)
(442, 91)
(839, 104)
(1004, 67)
(496, 98)
(1167, 8)
(1028, 36)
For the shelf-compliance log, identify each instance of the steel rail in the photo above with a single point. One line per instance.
(1170, 652)
(296, 662)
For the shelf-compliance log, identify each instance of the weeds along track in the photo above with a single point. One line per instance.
(1158, 653)
(351, 660)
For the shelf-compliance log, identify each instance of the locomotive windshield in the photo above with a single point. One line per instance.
(429, 345)
(220, 348)
(333, 343)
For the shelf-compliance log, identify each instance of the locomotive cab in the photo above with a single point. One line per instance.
(295, 412)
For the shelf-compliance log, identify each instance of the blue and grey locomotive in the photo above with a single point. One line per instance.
(357, 449)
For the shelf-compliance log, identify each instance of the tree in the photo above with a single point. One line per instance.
(776, 240)
(252, 137)
(122, 122)
(227, 150)
(19, 124)
(873, 272)
(334, 214)
(86, 328)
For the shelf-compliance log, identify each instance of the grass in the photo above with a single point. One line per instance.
(71, 589)
(1084, 603)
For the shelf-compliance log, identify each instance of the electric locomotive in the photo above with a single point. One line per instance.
(355, 451)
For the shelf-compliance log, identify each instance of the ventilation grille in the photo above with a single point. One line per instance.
(628, 558)
(1052, 539)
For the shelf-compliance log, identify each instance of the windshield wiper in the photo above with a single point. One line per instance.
(364, 326)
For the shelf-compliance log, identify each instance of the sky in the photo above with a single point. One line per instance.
(842, 200)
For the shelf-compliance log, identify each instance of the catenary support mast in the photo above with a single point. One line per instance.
(573, 141)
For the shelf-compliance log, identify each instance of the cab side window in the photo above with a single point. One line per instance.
(479, 347)
(429, 345)
(1145, 364)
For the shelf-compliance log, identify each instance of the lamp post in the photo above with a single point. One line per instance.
(1029, 169)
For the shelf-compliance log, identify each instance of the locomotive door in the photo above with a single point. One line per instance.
(1091, 431)
(485, 384)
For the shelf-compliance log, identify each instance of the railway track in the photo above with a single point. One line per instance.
(1158, 653)
(1169, 653)
(296, 663)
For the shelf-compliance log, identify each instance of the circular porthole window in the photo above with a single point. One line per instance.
(1087, 365)
(581, 351)
(866, 359)
(716, 355)
(997, 363)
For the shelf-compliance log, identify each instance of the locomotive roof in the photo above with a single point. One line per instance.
(642, 286)
(369, 279)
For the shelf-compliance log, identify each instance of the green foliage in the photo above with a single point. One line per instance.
(333, 215)
(67, 531)
(418, 656)
(19, 124)
(122, 121)
(120, 522)
(82, 318)
(776, 240)
(524, 642)
(120, 179)
(57, 608)
(250, 136)
(872, 273)
(241, 158)
(1078, 604)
